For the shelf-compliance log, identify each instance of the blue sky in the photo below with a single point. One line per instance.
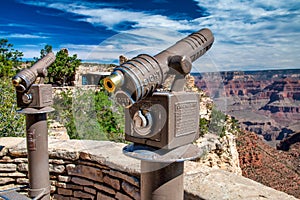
(249, 35)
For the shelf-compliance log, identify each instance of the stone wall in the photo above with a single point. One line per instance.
(75, 173)
(83, 169)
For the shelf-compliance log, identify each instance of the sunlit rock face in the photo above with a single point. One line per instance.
(265, 102)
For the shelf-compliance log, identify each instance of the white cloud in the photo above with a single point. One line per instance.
(248, 34)
(111, 17)
(17, 35)
(129, 43)
(29, 52)
(249, 18)
(254, 34)
(16, 25)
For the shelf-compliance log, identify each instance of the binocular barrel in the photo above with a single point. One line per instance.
(26, 77)
(140, 76)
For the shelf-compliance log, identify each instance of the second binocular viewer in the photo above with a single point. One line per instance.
(30, 94)
(154, 117)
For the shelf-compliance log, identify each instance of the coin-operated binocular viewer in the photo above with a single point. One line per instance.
(161, 124)
(35, 100)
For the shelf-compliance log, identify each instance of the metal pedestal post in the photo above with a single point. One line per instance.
(37, 148)
(161, 181)
(162, 170)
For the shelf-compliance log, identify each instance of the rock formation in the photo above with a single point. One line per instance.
(264, 164)
(265, 102)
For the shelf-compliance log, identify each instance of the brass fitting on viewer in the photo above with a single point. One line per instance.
(16, 82)
(113, 82)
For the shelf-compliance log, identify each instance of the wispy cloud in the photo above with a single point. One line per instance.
(102, 14)
(146, 31)
(17, 35)
(129, 43)
(250, 18)
(248, 35)
(16, 25)
(255, 33)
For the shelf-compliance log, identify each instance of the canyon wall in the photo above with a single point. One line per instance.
(265, 102)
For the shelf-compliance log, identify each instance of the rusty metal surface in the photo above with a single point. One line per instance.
(180, 154)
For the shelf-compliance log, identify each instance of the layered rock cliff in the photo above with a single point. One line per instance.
(265, 102)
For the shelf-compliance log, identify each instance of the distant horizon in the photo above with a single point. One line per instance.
(193, 72)
(258, 70)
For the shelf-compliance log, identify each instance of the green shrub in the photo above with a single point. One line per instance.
(203, 126)
(110, 116)
(11, 123)
(9, 59)
(217, 122)
(89, 114)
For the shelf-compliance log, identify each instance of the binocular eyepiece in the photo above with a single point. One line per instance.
(142, 75)
(25, 78)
